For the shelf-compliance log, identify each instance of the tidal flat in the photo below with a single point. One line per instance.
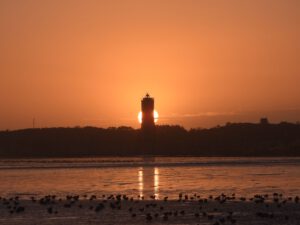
(121, 209)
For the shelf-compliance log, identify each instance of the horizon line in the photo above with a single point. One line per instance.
(158, 125)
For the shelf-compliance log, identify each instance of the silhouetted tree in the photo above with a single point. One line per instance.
(233, 139)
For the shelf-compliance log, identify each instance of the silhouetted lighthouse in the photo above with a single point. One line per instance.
(148, 126)
(148, 113)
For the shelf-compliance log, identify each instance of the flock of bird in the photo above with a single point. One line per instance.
(151, 209)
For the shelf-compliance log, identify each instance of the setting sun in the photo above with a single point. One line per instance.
(140, 116)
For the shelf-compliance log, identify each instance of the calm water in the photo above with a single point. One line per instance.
(147, 176)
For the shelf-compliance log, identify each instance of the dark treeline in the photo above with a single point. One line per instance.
(233, 139)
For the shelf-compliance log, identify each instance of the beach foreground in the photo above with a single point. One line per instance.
(120, 209)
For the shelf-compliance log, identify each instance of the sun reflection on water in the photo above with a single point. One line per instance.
(156, 183)
(148, 178)
(141, 182)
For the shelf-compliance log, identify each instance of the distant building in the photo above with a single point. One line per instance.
(147, 105)
(264, 121)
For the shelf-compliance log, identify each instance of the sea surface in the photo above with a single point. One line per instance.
(159, 176)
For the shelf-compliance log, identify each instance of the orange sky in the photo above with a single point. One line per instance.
(70, 62)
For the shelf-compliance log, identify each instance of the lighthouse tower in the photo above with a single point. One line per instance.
(147, 105)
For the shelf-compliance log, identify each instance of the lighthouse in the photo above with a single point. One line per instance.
(147, 108)
(147, 118)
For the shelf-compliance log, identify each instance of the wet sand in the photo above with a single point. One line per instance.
(217, 210)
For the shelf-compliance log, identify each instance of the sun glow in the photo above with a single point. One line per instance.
(140, 116)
